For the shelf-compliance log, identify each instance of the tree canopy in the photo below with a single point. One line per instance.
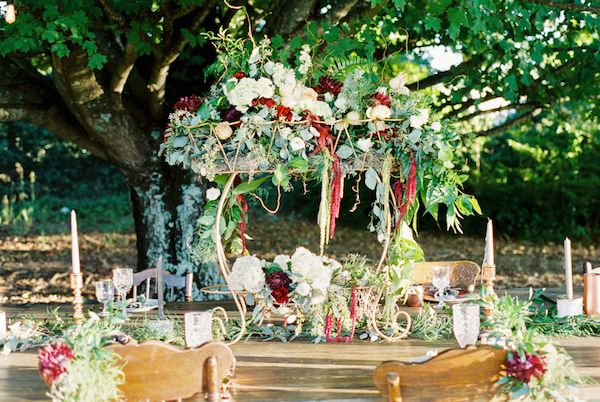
(103, 74)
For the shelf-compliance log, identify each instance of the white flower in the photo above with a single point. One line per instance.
(398, 84)
(297, 144)
(364, 144)
(379, 112)
(436, 126)
(247, 274)
(282, 261)
(223, 131)
(353, 118)
(342, 124)
(416, 121)
(305, 60)
(303, 289)
(248, 89)
(213, 193)
(382, 90)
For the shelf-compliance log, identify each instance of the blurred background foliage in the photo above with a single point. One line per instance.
(43, 177)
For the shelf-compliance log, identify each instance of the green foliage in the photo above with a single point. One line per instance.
(431, 326)
(42, 177)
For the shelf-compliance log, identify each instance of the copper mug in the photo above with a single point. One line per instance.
(591, 293)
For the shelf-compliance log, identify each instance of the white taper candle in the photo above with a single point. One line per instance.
(74, 245)
(568, 269)
(488, 257)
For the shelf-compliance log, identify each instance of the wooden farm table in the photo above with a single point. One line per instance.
(297, 371)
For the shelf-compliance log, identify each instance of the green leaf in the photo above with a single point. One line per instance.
(248, 187)
(204, 112)
(298, 163)
(457, 18)
(60, 49)
(371, 178)
(281, 176)
(476, 206)
(433, 23)
(97, 61)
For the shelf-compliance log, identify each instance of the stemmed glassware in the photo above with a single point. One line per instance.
(123, 280)
(105, 292)
(198, 328)
(441, 280)
(465, 323)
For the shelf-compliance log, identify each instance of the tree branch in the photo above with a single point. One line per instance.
(291, 16)
(123, 69)
(510, 123)
(444, 75)
(566, 6)
(165, 57)
(500, 109)
(112, 13)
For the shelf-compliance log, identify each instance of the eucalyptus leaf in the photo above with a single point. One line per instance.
(371, 178)
(248, 187)
(344, 151)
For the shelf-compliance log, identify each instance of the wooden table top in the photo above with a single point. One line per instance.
(296, 371)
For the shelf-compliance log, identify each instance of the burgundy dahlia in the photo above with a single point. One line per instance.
(54, 361)
(231, 114)
(381, 99)
(190, 103)
(280, 295)
(278, 280)
(523, 369)
(328, 84)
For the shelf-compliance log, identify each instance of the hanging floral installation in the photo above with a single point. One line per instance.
(265, 123)
(272, 122)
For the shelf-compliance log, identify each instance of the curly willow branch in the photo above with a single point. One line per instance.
(247, 18)
(262, 203)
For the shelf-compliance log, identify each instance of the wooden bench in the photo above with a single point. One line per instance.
(156, 371)
(454, 375)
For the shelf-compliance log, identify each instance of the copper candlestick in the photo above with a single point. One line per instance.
(488, 277)
(77, 286)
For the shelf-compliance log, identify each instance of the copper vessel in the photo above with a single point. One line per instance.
(591, 293)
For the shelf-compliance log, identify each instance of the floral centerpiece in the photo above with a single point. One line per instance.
(268, 120)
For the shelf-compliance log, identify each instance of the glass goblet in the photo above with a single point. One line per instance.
(441, 280)
(465, 323)
(123, 280)
(105, 292)
(198, 328)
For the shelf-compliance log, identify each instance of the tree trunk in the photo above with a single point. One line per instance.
(166, 205)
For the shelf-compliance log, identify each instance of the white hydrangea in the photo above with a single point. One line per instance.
(213, 193)
(305, 60)
(247, 274)
(247, 89)
(312, 274)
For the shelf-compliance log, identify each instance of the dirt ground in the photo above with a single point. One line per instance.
(36, 268)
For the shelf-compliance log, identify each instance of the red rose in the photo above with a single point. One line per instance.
(280, 295)
(284, 112)
(239, 75)
(381, 99)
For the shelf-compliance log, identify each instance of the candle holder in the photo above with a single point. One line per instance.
(591, 293)
(569, 307)
(77, 286)
(488, 277)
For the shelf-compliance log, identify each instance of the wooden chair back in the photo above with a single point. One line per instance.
(454, 375)
(462, 273)
(157, 371)
(172, 281)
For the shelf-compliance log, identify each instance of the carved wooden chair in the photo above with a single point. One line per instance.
(462, 273)
(171, 281)
(454, 375)
(157, 371)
